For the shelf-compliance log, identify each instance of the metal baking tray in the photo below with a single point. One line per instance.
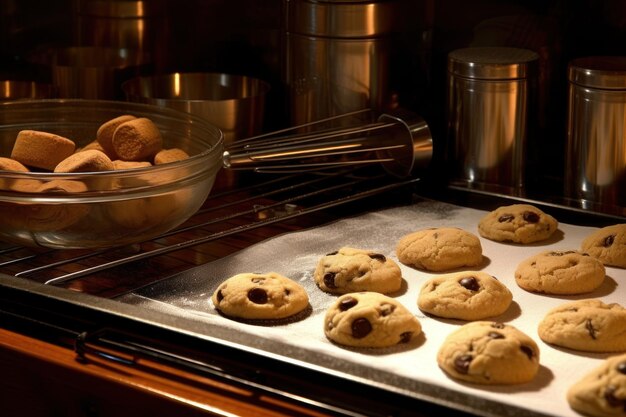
(169, 318)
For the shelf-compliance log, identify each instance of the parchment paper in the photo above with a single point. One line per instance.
(295, 255)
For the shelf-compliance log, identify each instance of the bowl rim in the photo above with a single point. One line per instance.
(214, 152)
(264, 87)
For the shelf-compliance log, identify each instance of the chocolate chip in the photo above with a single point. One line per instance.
(611, 399)
(621, 367)
(329, 280)
(287, 291)
(608, 241)
(347, 303)
(257, 296)
(531, 217)
(405, 337)
(495, 335)
(528, 351)
(506, 218)
(386, 309)
(332, 253)
(378, 256)
(497, 325)
(590, 329)
(470, 283)
(220, 296)
(462, 363)
(561, 253)
(361, 327)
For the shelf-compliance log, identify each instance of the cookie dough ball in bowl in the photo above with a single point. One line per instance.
(40, 149)
(608, 244)
(370, 320)
(440, 249)
(517, 223)
(354, 270)
(41, 218)
(467, 295)
(104, 135)
(165, 156)
(91, 160)
(251, 296)
(138, 139)
(12, 182)
(484, 352)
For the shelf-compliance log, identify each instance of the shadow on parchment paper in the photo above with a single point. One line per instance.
(513, 312)
(543, 378)
(414, 343)
(557, 236)
(608, 286)
(271, 322)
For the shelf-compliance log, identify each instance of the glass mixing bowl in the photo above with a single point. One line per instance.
(108, 208)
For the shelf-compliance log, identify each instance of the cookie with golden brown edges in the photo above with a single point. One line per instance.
(485, 352)
(267, 296)
(608, 244)
(370, 320)
(517, 223)
(353, 270)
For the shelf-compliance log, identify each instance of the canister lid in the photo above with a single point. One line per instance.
(493, 63)
(606, 72)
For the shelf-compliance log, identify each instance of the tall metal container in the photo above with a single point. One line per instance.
(337, 56)
(490, 96)
(596, 134)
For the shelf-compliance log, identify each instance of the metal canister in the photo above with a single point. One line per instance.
(337, 56)
(596, 134)
(490, 96)
(137, 25)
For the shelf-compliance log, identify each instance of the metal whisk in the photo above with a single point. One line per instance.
(402, 143)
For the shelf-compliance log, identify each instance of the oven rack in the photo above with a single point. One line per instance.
(231, 219)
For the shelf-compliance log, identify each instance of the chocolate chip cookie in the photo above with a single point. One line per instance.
(586, 325)
(260, 296)
(354, 270)
(468, 295)
(485, 352)
(518, 223)
(560, 272)
(608, 244)
(370, 319)
(440, 249)
(602, 392)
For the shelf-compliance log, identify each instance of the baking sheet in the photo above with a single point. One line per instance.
(295, 255)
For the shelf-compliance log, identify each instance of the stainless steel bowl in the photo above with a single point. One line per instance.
(234, 103)
(103, 209)
(22, 89)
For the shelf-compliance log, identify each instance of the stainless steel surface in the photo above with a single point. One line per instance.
(595, 167)
(91, 72)
(338, 57)
(19, 89)
(134, 24)
(401, 143)
(234, 103)
(489, 100)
